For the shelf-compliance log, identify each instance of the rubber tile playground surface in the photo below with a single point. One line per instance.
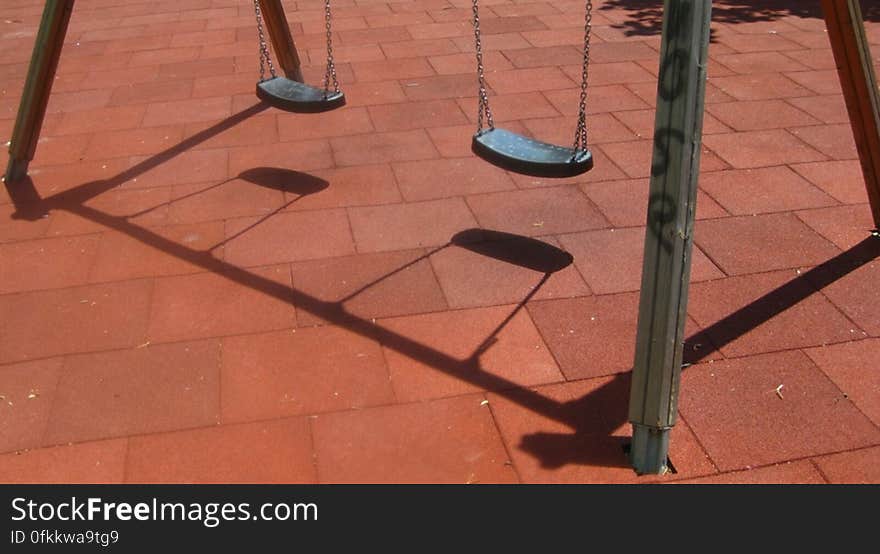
(202, 288)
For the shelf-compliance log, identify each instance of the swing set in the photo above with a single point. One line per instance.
(674, 176)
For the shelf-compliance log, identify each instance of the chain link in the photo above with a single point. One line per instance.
(265, 58)
(580, 137)
(330, 73)
(484, 95)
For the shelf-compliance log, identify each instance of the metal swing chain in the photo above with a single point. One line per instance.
(330, 73)
(484, 95)
(580, 137)
(265, 58)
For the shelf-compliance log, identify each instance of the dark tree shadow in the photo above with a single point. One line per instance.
(646, 16)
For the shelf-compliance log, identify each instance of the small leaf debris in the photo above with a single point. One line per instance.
(779, 391)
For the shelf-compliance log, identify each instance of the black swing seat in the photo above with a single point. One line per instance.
(293, 96)
(528, 156)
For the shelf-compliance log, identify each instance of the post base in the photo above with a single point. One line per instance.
(649, 450)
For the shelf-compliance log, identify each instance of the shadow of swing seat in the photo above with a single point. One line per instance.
(518, 250)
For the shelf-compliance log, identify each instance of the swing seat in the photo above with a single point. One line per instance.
(293, 96)
(528, 156)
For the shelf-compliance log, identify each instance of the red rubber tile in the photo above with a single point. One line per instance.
(134, 391)
(835, 141)
(855, 296)
(619, 73)
(635, 158)
(419, 48)
(802, 472)
(602, 128)
(827, 109)
(371, 94)
(348, 121)
(440, 86)
(300, 157)
(445, 29)
(470, 279)
(610, 260)
(26, 394)
(508, 108)
(453, 64)
(845, 226)
(734, 409)
(841, 179)
(762, 190)
(188, 167)
(166, 92)
(641, 122)
(124, 204)
(260, 129)
(510, 24)
(216, 201)
(759, 86)
(390, 70)
(138, 142)
(760, 114)
(399, 117)
(820, 82)
(287, 237)
(72, 102)
(14, 228)
(851, 367)
(543, 57)
(383, 147)
(370, 285)
(445, 441)
(856, 467)
(761, 148)
(291, 373)
(225, 454)
(579, 436)
(30, 265)
(441, 362)
(210, 305)
(625, 203)
(517, 81)
(610, 98)
(812, 321)
(88, 463)
(100, 120)
(537, 212)
(749, 244)
(757, 43)
(760, 62)
(592, 337)
(121, 256)
(82, 319)
(430, 179)
(413, 225)
(363, 185)
(187, 111)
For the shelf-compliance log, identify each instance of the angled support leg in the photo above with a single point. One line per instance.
(38, 86)
(282, 41)
(852, 53)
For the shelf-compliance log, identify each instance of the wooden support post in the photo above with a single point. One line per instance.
(669, 236)
(35, 96)
(852, 53)
(282, 41)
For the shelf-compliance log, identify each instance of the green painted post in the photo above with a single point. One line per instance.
(669, 236)
(35, 96)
